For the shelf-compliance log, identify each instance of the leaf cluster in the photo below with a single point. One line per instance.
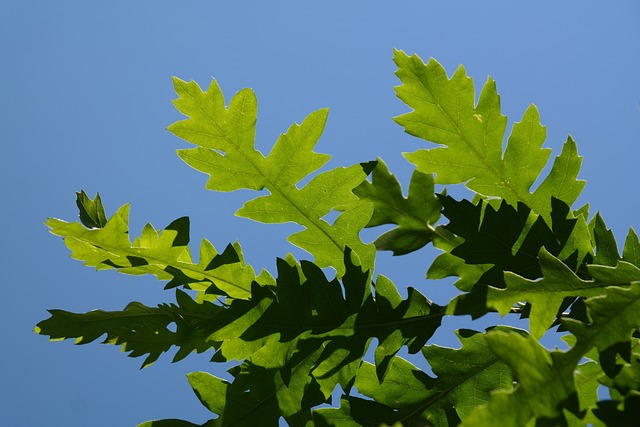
(313, 326)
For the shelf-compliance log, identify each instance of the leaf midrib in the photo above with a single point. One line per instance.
(271, 185)
(504, 182)
(123, 252)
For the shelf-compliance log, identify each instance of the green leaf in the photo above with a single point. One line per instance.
(631, 251)
(259, 396)
(91, 210)
(605, 243)
(612, 414)
(414, 215)
(139, 329)
(465, 379)
(508, 238)
(408, 396)
(447, 265)
(174, 423)
(225, 150)
(356, 412)
(471, 138)
(469, 374)
(341, 318)
(613, 317)
(164, 254)
(626, 377)
(209, 390)
(545, 383)
(251, 406)
(546, 295)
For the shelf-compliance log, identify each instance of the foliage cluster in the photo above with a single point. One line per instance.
(297, 334)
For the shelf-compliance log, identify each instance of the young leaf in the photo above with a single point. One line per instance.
(631, 251)
(605, 243)
(445, 112)
(225, 150)
(91, 210)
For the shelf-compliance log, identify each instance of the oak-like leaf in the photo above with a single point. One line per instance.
(470, 135)
(225, 150)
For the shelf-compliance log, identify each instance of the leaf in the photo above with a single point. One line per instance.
(259, 396)
(613, 318)
(355, 412)
(414, 216)
(447, 265)
(225, 150)
(465, 379)
(139, 329)
(471, 138)
(545, 383)
(610, 412)
(631, 251)
(468, 374)
(251, 406)
(164, 254)
(605, 243)
(626, 378)
(507, 238)
(546, 295)
(91, 210)
(173, 423)
(340, 318)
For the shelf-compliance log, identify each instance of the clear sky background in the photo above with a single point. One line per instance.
(85, 91)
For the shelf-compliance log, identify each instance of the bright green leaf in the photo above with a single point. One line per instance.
(225, 150)
(164, 254)
(471, 137)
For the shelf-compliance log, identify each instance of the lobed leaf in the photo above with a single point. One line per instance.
(545, 384)
(465, 379)
(164, 254)
(613, 316)
(139, 329)
(504, 242)
(545, 296)
(340, 317)
(92, 213)
(302, 338)
(471, 138)
(224, 139)
(415, 215)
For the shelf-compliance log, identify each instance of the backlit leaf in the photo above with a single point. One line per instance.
(471, 136)
(224, 139)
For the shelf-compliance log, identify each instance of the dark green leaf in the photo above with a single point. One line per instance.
(91, 210)
(414, 216)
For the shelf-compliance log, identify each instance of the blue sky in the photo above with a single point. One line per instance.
(86, 97)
